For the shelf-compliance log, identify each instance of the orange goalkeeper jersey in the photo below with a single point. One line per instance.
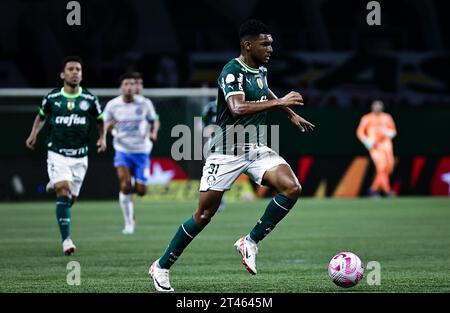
(378, 128)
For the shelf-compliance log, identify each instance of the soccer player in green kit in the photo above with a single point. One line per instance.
(69, 111)
(244, 98)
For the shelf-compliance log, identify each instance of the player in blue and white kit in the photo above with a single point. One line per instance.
(129, 118)
(156, 124)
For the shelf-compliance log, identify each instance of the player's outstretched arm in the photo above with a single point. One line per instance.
(239, 107)
(301, 123)
(38, 123)
(296, 119)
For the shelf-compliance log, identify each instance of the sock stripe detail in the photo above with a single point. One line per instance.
(279, 205)
(182, 226)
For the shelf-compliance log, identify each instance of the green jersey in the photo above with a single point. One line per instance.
(239, 78)
(69, 118)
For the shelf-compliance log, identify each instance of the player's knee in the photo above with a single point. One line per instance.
(125, 187)
(293, 191)
(203, 217)
(141, 191)
(62, 190)
(206, 217)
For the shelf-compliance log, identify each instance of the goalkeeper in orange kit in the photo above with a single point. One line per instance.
(376, 131)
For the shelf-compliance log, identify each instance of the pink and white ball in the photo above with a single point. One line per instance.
(346, 269)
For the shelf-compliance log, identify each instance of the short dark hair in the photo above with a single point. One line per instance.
(252, 28)
(137, 75)
(71, 58)
(127, 75)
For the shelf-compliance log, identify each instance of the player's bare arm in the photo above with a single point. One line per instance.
(239, 107)
(154, 130)
(296, 119)
(101, 142)
(108, 127)
(39, 122)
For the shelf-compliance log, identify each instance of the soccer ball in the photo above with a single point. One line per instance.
(346, 269)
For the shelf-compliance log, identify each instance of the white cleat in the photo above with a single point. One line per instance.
(128, 230)
(68, 246)
(160, 278)
(248, 251)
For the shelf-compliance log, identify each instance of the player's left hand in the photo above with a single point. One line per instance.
(301, 123)
(101, 144)
(153, 136)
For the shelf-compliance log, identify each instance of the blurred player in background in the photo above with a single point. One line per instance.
(129, 117)
(376, 131)
(69, 110)
(156, 124)
(244, 98)
(209, 118)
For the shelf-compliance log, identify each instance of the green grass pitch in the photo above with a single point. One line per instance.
(409, 237)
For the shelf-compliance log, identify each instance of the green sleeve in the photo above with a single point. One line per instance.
(96, 109)
(231, 81)
(45, 107)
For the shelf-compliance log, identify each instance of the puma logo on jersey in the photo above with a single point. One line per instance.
(58, 104)
(248, 81)
(72, 119)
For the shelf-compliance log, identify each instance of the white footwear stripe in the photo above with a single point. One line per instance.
(186, 231)
(279, 204)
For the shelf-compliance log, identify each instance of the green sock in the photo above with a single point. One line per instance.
(63, 216)
(275, 212)
(183, 237)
